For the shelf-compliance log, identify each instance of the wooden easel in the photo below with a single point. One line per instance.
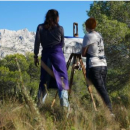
(78, 58)
(75, 57)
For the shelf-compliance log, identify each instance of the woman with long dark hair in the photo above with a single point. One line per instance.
(51, 37)
(96, 65)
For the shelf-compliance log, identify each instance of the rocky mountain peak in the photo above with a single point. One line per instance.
(22, 41)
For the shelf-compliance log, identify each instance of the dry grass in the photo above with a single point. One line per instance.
(17, 116)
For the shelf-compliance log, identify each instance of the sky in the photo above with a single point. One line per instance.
(16, 15)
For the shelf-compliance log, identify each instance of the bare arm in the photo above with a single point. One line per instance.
(85, 46)
(84, 51)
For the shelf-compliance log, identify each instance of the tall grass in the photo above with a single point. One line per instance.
(17, 116)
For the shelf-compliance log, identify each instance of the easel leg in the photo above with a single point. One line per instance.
(53, 102)
(87, 82)
(69, 61)
(72, 74)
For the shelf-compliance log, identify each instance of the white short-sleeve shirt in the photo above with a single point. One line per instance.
(95, 45)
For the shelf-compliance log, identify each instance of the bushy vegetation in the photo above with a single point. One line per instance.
(9, 81)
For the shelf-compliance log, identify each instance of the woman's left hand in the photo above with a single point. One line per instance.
(36, 62)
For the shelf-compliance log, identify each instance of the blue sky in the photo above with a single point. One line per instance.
(18, 15)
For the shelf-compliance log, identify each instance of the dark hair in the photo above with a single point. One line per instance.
(51, 19)
(91, 23)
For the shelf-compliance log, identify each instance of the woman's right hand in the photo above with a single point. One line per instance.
(36, 62)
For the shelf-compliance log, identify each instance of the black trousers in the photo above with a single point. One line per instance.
(97, 75)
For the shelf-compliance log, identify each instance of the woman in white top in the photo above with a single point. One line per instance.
(96, 65)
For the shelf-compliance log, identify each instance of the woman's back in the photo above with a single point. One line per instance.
(50, 37)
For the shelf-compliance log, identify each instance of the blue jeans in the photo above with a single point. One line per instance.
(97, 75)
